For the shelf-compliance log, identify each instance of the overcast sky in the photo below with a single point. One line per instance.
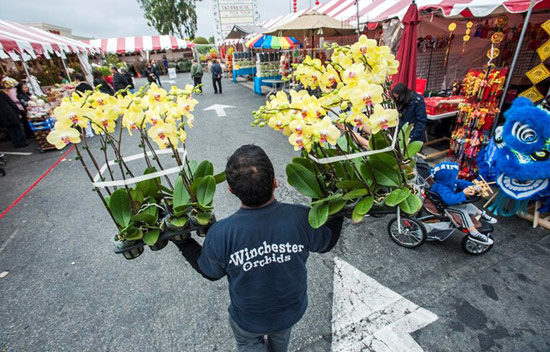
(116, 18)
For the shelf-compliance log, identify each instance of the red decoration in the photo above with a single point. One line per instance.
(316, 2)
(294, 5)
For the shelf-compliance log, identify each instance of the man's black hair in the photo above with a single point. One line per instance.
(250, 175)
(79, 76)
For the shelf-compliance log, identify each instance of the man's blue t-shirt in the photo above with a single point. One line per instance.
(263, 251)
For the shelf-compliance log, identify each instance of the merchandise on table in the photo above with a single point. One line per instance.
(441, 105)
(267, 64)
(40, 113)
(243, 60)
(482, 89)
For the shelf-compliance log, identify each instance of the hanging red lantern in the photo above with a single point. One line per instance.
(316, 2)
(294, 5)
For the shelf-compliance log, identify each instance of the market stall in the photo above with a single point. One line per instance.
(24, 47)
(138, 50)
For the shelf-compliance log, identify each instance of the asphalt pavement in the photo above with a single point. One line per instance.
(63, 288)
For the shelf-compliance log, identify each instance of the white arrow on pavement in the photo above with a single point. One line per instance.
(219, 108)
(367, 316)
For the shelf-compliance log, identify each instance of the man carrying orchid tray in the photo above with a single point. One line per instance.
(262, 249)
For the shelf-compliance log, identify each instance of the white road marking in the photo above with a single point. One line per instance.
(3, 274)
(367, 316)
(169, 81)
(8, 241)
(219, 109)
(15, 153)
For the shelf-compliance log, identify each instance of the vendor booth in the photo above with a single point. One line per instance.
(27, 52)
(139, 50)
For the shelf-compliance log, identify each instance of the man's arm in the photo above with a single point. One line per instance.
(191, 250)
(335, 225)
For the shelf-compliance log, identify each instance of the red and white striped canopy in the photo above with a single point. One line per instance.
(21, 39)
(380, 10)
(126, 45)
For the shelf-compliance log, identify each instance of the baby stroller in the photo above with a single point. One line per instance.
(2, 165)
(435, 222)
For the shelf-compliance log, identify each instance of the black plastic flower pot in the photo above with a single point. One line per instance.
(133, 253)
(159, 245)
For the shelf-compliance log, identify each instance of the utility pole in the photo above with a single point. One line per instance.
(357, 17)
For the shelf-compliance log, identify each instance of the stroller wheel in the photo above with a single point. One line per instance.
(411, 233)
(475, 248)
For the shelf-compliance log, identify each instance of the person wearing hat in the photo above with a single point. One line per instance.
(9, 114)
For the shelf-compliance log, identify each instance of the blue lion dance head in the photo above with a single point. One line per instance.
(522, 155)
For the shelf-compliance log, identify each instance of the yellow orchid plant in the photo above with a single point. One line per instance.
(145, 211)
(345, 124)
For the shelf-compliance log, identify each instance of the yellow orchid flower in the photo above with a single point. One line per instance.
(133, 118)
(356, 118)
(62, 135)
(300, 142)
(382, 119)
(354, 74)
(182, 135)
(325, 131)
(341, 60)
(156, 95)
(164, 134)
(99, 100)
(362, 47)
(329, 79)
(71, 114)
(366, 94)
(102, 121)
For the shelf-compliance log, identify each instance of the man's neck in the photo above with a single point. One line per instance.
(261, 206)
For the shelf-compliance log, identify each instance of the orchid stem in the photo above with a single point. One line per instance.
(96, 188)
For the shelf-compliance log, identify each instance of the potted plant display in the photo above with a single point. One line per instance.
(150, 207)
(345, 124)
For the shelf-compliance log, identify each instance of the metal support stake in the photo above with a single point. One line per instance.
(513, 65)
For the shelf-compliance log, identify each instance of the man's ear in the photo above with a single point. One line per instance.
(275, 183)
(230, 190)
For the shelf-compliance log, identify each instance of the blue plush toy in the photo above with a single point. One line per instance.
(519, 156)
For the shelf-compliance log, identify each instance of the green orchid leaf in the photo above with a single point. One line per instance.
(366, 174)
(332, 197)
(387, 158)
(120, 207)
(397, 196)
(149, 188)
(136, 234)
(203, 219)
(334, 206)
(355, 194)
(385, 174)
(411, 205)
(205, 168)
(206, 190)
(305, 162)
(137, 198)
(180, 195)
(193, 164)
(151, 236)
(361, 209)
(347, 184)
(221, 177)
(184, 208)
(195, 184)
(303, 181)
(413, 148)
(318, 215)
(178, 221)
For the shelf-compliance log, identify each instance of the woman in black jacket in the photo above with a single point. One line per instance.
(9, 119)
(412, 109)
(105, 87)
(24, 96)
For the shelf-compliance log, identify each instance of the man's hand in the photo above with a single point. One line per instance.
(468, 192)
